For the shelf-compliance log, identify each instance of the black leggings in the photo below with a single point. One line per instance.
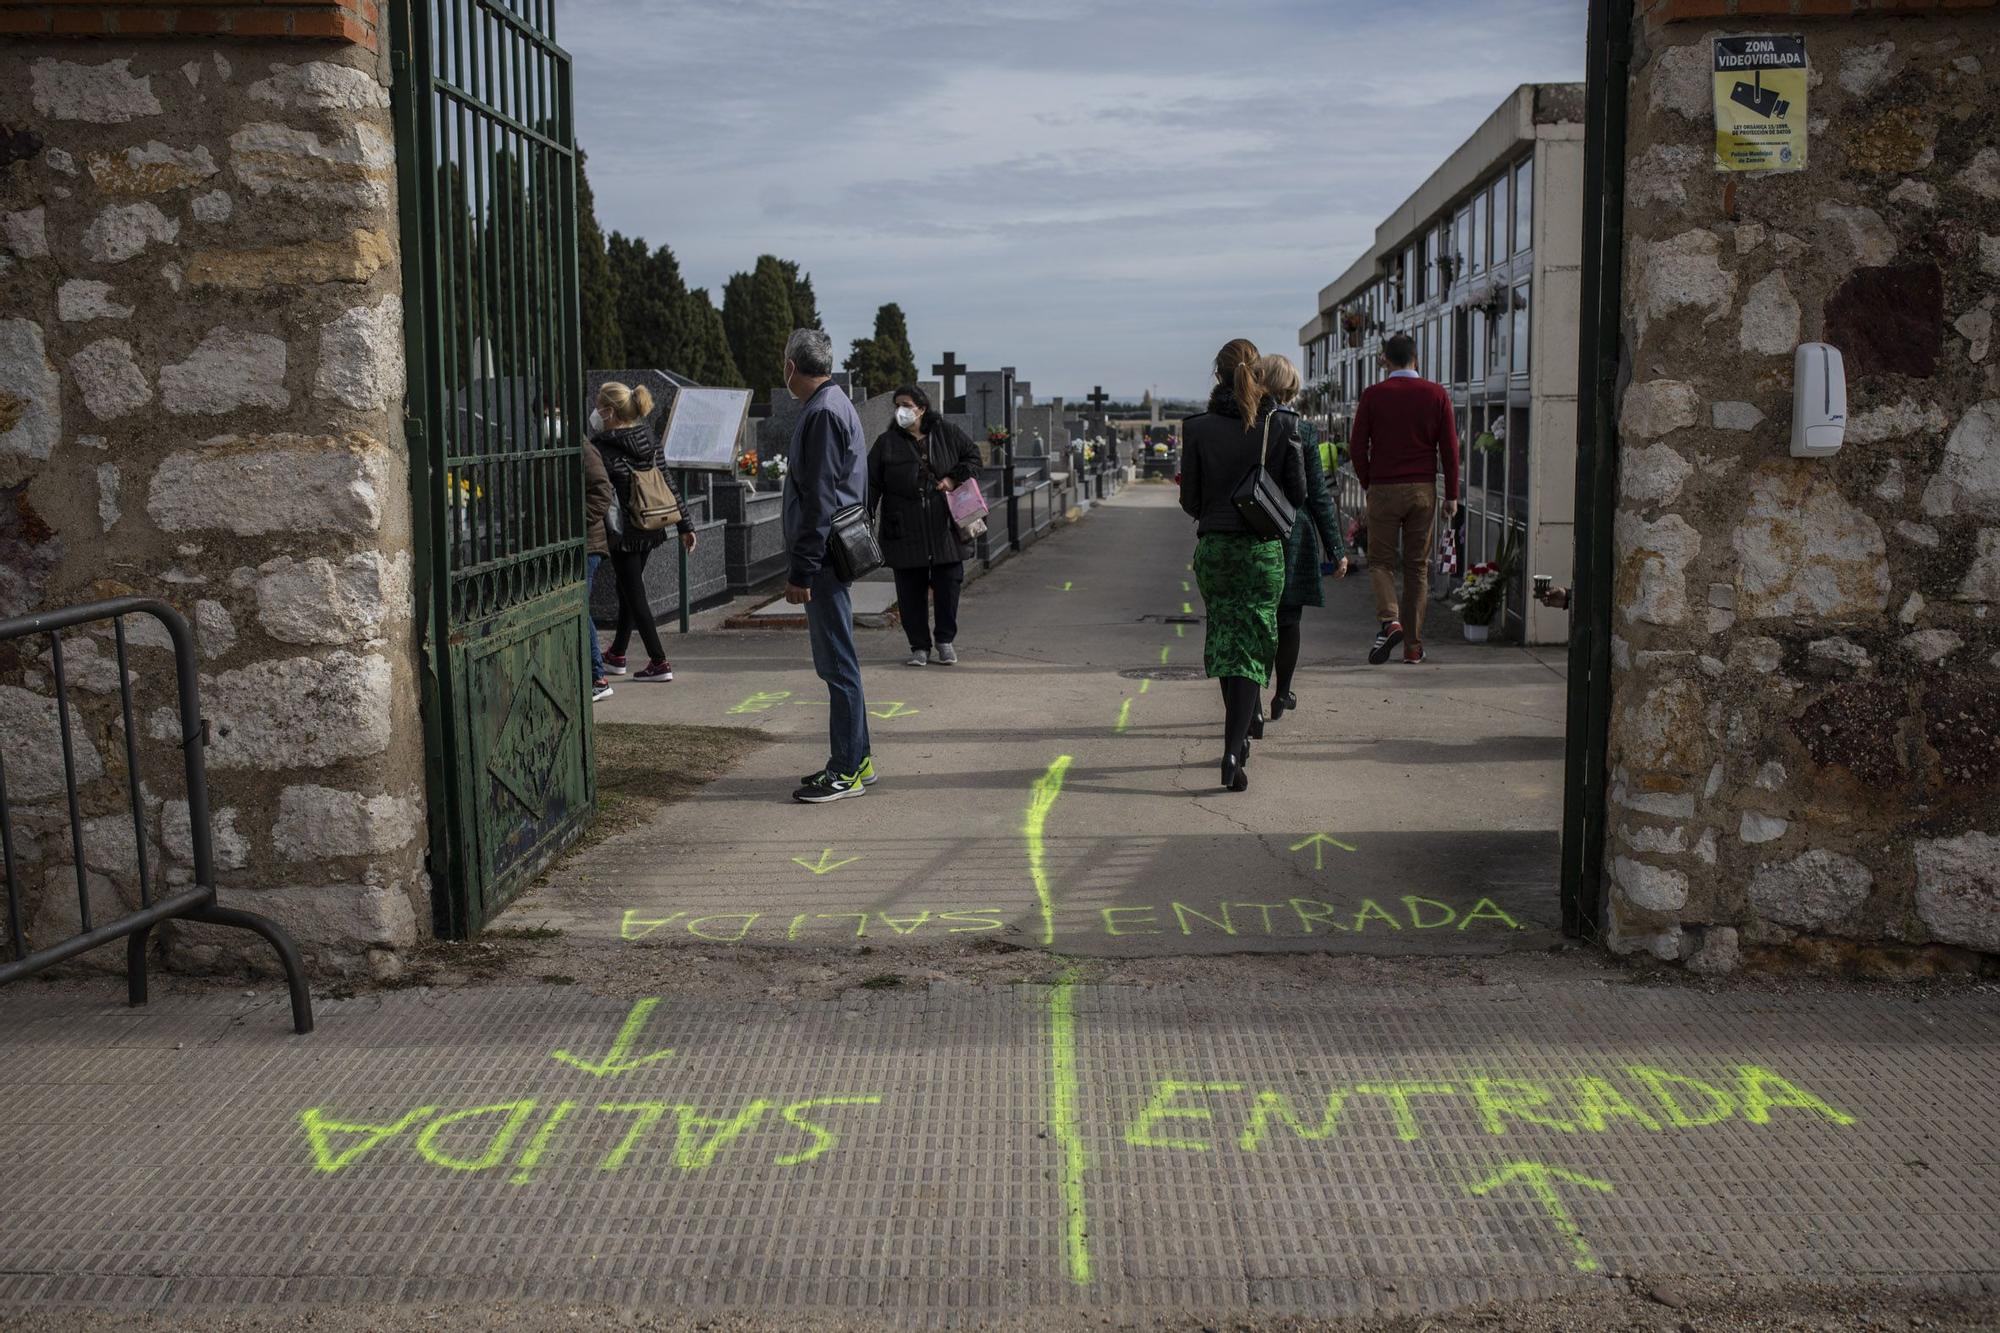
(1239, 705)
(634, 611)
(1288, 646)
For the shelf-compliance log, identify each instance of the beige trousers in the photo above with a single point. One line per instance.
(1402, 522)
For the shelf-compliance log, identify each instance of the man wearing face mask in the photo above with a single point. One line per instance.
(828, 473)
(911, 469)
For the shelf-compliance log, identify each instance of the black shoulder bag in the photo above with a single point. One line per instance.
(851, 547)
(1260, 501)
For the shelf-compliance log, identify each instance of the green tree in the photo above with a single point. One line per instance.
(709, 360)
(883, 361)
(603, 341)
(805, 306)
(892, 342)
(757, 317)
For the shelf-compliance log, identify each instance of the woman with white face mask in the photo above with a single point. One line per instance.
(912, 467)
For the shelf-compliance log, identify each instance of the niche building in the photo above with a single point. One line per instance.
(1481, 266)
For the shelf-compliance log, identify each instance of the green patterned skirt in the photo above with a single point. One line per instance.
(1240, 579)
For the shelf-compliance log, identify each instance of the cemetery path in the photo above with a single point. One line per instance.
(1186, 1110)
(1058, 788)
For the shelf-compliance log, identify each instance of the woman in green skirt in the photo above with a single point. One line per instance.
(1240, 575)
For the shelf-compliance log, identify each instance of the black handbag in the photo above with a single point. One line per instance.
(851, 547)
(1260, 502)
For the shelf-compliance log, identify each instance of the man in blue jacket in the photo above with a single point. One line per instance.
(828, 472)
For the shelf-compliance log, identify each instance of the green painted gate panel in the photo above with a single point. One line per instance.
(487, 166)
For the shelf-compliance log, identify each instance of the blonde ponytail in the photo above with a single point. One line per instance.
(624, 405)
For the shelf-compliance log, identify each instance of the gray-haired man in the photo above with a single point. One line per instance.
(828, 472)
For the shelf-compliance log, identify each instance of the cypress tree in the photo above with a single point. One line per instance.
(805, 306)
(757, 316)
(710, 361)
(892, 342)
(597, 295)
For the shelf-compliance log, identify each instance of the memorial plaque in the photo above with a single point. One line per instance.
(703, 426)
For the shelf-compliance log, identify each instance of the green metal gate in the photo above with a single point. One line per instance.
(486, 151)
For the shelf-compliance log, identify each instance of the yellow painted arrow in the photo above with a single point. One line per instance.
(1319, 842)
(1540, 1182)
(825, 867)
(616, 1061)
(894, 710)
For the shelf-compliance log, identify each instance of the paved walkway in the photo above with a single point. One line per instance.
(820, 1067)
(1059, 786)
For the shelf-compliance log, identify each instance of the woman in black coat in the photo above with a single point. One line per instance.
(621, 434)
(912, 467)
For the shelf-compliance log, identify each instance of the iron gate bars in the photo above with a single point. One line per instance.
(487, 163)
(196, 903)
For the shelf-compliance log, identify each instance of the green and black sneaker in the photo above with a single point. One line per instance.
(867, 773)
(823, 787)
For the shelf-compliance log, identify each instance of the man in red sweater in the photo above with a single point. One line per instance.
(1404, 432)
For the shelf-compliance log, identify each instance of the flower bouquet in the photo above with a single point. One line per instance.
(775, 468)
(746, 464)
(1480, 598)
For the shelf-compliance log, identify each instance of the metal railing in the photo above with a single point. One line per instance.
(195, 903)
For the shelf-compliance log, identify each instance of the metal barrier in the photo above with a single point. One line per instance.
(1353, 503)
(197, 903)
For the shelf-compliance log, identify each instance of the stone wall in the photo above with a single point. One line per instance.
(1807, 665)
(201, 389)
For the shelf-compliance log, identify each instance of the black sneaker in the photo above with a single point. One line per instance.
(867, 774)
(824, 787)
(1385, 642)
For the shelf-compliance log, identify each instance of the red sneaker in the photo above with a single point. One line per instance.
(656, 671)
(614, 664)
(1413, 655)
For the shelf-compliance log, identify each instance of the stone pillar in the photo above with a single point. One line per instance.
(1803, 745)
(201, 395)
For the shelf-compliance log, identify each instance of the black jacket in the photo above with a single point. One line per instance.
(627, 449)
(915, 526)
(1217, 453)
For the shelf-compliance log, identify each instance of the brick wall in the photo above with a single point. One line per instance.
(354, 21)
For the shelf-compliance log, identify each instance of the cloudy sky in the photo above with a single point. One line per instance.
(1092, 191)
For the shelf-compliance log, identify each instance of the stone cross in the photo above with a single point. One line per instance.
(1097, 398)
(949, 369)
(985, 392)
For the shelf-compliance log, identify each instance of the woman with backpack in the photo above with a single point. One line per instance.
(646, 507)
(912, 467)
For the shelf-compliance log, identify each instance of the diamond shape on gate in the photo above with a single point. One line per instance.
(529, 745)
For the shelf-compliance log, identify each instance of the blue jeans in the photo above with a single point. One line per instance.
(830, 626)
(590, 625)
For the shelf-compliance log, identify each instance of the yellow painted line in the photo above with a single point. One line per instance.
(1124, 714)
(1145, 685)
(1165, 649)
(1063, 1098)
(1047, 788)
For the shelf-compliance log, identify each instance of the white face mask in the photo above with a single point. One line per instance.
(596, 421)
(906, 417)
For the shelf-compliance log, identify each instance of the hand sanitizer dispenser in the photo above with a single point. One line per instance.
(1819, 401)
